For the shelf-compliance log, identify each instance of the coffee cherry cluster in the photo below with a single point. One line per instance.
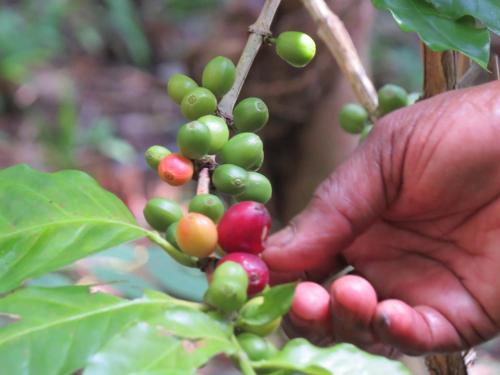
(232, 161)
(354, 118)
(231, 153)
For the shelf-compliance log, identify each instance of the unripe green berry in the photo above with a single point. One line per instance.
(258, 189)
(250, 115)
(193, 140)
(296, 48)
(209, 205)
(154, 154)
(243, 150)
(218, 75)
(353, 118)
(179, 85)
(219, 132)
(390, 98)
(160, 213)
(230, 179)
(198, 102)
(228, 289)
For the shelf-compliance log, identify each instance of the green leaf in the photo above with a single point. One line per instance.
(48, 220)
(58, 329)
(149, 350)
(177, 280)
(343, 359)
(188, 323)
(438, 32)
(277, 302)
(486, 11)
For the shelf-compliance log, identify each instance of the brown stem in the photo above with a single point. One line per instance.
(203, 182)
(334, 34)
(258, 32)
(441, 75)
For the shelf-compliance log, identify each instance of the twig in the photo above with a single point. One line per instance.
(258, 32)
(203, 182)
(496, 66)
(334, 34)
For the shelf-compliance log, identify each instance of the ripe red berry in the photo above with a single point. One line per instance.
(244, 228)
(175, 169)
(257, 271)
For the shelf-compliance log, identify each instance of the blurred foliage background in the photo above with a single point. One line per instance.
(82, 85)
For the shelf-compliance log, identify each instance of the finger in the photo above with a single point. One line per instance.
(309, 314)
(311, 302)
(343, 207)
(415, 330)
(354, 302)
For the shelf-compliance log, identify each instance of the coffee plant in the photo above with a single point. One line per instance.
(49, 220)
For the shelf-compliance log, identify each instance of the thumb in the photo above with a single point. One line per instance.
(342, 207)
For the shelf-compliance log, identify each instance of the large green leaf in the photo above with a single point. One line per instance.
(437, 31)
(343, 359)
(486, 11)
(48, 220)
(149, 350)
(58, 329)
(176, 341)
(188, 323)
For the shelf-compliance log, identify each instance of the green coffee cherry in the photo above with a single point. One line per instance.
(218, 75)
(390, 98)
(160, 213)
(353, 118)
(228, 290)
(230, 179)
(296, 48)
(154, 154)
(179, 85)
(170, 234)
(365, 133)
(198, 102)
(258, 163)
(209, 205)
(219, 132)
(193, 140)
(250, 115)
(258, 189)
(243, 150)
(256, 347)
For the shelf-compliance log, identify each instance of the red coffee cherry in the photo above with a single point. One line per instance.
(258, 273)
(244, 228)
(175, 169)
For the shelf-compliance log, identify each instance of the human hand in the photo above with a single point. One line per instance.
(416, 212)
